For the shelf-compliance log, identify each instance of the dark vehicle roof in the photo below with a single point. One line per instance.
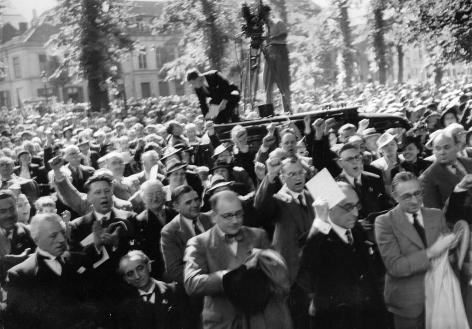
(257, 128)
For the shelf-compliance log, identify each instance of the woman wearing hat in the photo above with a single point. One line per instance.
(388, 148)
(411, 149)
(449, 116)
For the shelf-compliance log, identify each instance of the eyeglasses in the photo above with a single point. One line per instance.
(295, 173)
(353, 159)
(350, 207)
(231, 215)
(409, 196)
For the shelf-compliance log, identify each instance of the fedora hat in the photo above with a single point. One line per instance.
(384, 139)
(174, 165)
(218, 181)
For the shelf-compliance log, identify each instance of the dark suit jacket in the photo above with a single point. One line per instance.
(20, 241)
(342, 276)
(148, 238)
(94, 156)
(39, 298)
(79, 182)
(28, 187)
(134, 313)
(372, 194)
(438, 183)
(404, 256)
(34, 171)
(174, 237)
(219, 88)
(205, 256)
(292, 222)
(459, 206)
(416, 168)
(104, 277)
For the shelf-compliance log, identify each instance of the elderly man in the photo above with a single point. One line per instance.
(42, 289)
(440, 179)
(79, 172)
(409, 237)
(149, 224)
(221, 249)
(338, 269)
(149, 304)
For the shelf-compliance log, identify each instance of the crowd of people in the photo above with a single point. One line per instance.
(144, 218)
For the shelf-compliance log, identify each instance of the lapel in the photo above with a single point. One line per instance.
(221, 252)
(466, 164)
(406, 228)
(430, 226)
(445, 176)
(185, 233)
(206, 221)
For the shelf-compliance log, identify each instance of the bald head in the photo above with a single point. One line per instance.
(228, 211)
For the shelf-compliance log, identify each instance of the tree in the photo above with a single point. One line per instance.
(92, 39)
(347, 51)
(396, 31)
(378, 28)
(204, 26)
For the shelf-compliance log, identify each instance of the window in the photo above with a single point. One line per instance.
(142, 61)
(16, 67)
(164, 88)
(42, 63)
(145, 89)
(164, 55)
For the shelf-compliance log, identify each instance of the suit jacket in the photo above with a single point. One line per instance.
(93, 159)
(148, 238)
(416, 168)
(459, 206)
(78, 180)
(20, 241)
(34, 171)
(404, 256)
(292, 222)
(438, 183)
(105, 278)
(206, 256)
(219, 88)
(372, 194)
(28, 187)
(134, 313)
(174, 237)
(342, 275)
(39, 298)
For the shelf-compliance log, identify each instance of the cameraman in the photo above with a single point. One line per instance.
(277, 67)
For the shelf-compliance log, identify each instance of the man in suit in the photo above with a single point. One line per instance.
(148, 303)
(409, 236)
(290, 210)
(439, 180)
(107, 230)
(79, 173)
(224, 96)
(45, 290)
(27, 186)
(15, 240)
(368, 186)
(338, 271)
(174, 236)
(211, 255)
(149, 224)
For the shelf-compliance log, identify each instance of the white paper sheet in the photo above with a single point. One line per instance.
(325, 187)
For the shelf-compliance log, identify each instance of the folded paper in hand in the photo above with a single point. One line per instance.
(323, 186)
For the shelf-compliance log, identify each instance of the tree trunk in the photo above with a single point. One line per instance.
(438, 74)
(214, 35)
(400, 56)
(379, 41)
(345, 27)
(97, 95)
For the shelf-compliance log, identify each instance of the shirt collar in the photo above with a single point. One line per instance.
(100, 216)
(351, 180)
(293, 194)
(340, 231)
(149, 291)
(44, 253)
(419, 216)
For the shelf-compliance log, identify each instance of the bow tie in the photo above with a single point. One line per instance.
(147, 297)
(229, 238)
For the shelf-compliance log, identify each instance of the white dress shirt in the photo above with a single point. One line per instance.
(233, 245)
(419, 217)
(189, 223)
(51, 261)
(147, 296)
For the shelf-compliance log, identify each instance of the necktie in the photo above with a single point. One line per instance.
(350, 238)
(229, 238)
(358, 186)
(301, 202)
(196, 228)
(419, 228)
(148, 297)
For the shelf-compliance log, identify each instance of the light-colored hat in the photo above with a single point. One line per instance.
(384, 139)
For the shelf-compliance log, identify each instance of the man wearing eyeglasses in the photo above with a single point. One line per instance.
(337, 269)
(368, 186)
(409, 237)
(209, 256)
